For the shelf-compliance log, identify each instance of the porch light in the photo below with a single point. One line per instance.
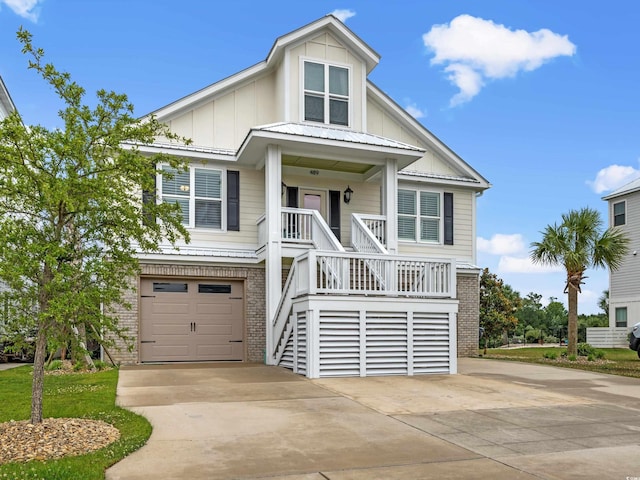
(184, 188)
(283, 187)
(347, 194)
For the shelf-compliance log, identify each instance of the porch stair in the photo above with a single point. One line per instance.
(334, 317)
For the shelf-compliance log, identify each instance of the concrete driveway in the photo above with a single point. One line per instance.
(495, 420)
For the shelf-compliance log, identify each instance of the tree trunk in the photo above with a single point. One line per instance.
(572, 300)
(37, 386)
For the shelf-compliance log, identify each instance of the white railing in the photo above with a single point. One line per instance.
(281, 320)
(376, 224)
(368, 233)
(262, 230)
(349, 273)
(303, 226)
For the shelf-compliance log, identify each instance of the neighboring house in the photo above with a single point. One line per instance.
(331, 233)
(624, 283)
(6, 104)
(6, 107)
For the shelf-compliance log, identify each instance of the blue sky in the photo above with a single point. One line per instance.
(540, 96)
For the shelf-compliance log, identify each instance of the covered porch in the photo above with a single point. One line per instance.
(330, 213)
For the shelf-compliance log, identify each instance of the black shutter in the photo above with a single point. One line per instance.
(292, 197)
(448, 218)
(149, 198)
(334, 212)
(233, 200)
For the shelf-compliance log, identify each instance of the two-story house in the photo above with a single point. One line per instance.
(624, 283)
(331, 232)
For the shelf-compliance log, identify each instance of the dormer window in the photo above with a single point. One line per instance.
(326, 93)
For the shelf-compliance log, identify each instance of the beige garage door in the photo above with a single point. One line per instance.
(191, 320)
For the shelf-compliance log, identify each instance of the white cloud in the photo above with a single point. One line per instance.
(413, 110)
(28, 9)
(613, 177)
(509, 264)
(501, 244)
(343, 14)
(474, 50)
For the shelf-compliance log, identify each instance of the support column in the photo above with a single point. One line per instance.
(390, 203)
(273, 258)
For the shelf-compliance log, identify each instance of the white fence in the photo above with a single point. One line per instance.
(608, 337)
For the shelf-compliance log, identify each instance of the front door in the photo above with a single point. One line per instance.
(314, 200)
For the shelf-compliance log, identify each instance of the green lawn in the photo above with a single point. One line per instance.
(78, 396)
(617, 361)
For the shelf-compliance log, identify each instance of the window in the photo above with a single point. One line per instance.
(419, 216)
(170, 287)
(326, 93)
(621, 317)
(198, 191)
(619, 214)
(207, 288)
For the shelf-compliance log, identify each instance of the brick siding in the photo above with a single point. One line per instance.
(468, 288)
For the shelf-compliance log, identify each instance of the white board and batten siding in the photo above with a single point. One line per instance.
(224, 121)
(343, 337)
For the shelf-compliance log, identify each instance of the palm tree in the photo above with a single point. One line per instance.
(577, 244)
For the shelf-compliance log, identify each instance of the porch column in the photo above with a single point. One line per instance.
(390, 203)
(273, 264)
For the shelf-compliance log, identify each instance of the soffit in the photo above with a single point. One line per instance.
(324, 164)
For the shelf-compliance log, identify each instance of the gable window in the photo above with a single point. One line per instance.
(198, 191)
(326, 93)
(621, 317)
(619, 214)
(419, 216)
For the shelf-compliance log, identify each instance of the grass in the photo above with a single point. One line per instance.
(617, 361)
(90, 395)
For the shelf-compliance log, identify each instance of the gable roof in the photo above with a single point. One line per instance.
(464, 173)
(329, 22)
(331, 133)
(433, 142)
(335, 142)
(630, 187)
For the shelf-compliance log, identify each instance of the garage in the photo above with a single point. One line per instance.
(184, 320)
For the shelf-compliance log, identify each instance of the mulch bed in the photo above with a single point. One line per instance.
(53, 438)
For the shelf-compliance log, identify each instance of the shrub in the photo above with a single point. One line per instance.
(584, 350)
(550, 355)
(572, 358)
(551, 339)
(600, 354)
(54, 365)
(590, 357)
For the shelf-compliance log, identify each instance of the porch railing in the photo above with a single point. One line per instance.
(348, 273)
(301, 226)
(369, 233)
(366, 274)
